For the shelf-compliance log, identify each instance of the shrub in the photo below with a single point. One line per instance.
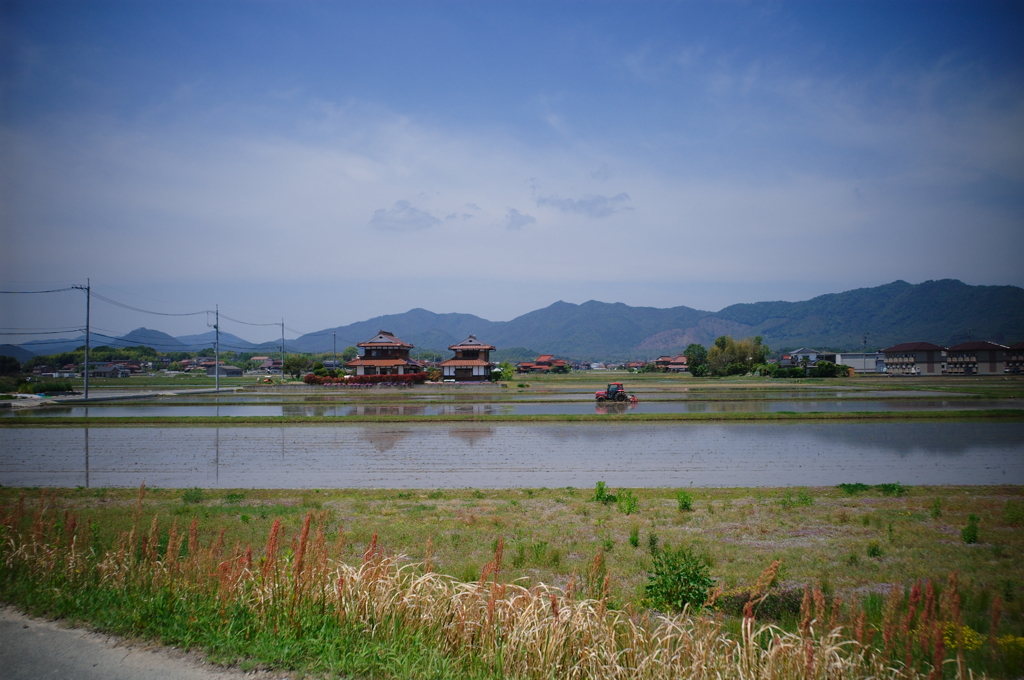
(853, 489)
(679, 578)
(685, 500)
(627, 502)
(970, 532)
(48, 387)
(893, 489)
(601, 494)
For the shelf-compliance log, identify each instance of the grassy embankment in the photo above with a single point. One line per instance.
(98, 556)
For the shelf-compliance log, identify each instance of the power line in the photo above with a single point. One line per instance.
(248, 323)
(57, 290)
(45, 332)
(146, 311)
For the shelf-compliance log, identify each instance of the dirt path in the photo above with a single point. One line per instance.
(36, 648)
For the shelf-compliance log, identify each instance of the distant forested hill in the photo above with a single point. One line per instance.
(943, 312)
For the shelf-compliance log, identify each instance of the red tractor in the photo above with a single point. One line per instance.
(615, 392)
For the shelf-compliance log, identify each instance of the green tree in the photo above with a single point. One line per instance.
(350, 353)
(295, 364)
(732, 357)
(9, 366)
(696, 360)
(506, 371)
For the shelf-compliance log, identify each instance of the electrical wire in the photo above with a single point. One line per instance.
(247, 323)
(46, 332)
(145, 311)
(34, 292)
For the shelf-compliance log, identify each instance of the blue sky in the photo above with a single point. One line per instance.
(330, 162)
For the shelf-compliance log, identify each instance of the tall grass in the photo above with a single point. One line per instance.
(294, 604)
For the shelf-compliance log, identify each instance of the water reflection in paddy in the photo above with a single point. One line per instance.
(510, 455)
(534, 408)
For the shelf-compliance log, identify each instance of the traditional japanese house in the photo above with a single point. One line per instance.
(384, 354)
(471, 361)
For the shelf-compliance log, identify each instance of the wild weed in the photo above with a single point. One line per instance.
(892, 489)
(1013, 513)
(853, 489)
(627, 502)
(601, 494)
(936, 511)
(685, 500)
(652, 544)
(969, 533)
(634, 535)
(192, 496)
(680, 578)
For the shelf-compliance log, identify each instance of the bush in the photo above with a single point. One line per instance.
(685, 500)
(970, 532)
(601, 494)
(853, 489)
(407, 379)
(679, 578)
(48, 387)
(627, 502)
(893, 489)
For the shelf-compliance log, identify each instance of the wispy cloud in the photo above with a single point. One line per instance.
(516, 220)
(402, 217)
(593, 205)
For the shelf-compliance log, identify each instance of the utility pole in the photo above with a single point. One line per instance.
(216, 349)
(335, 334)
(282, 350)
(88, 299)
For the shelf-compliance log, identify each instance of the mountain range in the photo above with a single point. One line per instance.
(944, 312)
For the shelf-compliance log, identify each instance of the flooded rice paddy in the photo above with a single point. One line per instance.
(516, 455)
(306, 409)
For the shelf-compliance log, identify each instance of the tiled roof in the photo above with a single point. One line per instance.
(545, 357)
(464, 363)
(384, 339)
(984, 344)
(470, 343)
(912, 347)
(381, 362)
(1019, 345)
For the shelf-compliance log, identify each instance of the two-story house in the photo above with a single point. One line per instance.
(384, 354)
(471, 361)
